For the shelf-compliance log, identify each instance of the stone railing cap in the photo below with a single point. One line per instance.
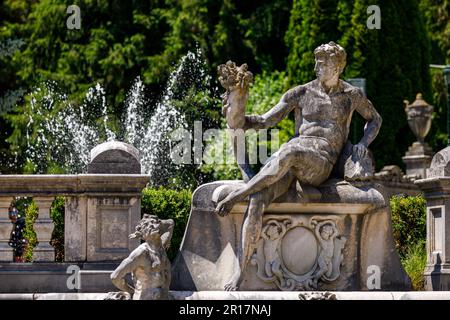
(114, 145)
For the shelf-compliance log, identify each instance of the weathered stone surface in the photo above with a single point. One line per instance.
(419, 117)
(114, 157)
(110, 219)
(44, 277)
(436, 189)
(112, 201)
(418, 156)
(30, 185)
(43, 226)
(236, 80)
(395, 182)
(417, 160)
(209, 250)
(148, 264)
(440, 165)
(317, 296)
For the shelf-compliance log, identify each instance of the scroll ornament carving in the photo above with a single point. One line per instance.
(295, 256)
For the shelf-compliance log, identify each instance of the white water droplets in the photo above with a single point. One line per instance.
(64, 133)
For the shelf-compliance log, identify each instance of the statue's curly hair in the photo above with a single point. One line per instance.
(334, 51)
(165, 228)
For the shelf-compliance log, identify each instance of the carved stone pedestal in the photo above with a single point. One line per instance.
(98, 227)
(417, 159)
(338, 237)
(436, 189)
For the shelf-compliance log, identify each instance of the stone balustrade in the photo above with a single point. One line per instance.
(101, 210)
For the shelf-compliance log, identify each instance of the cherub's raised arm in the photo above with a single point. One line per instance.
(366, 109)
(287, 102)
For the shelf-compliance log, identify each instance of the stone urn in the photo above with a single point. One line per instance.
(419, 117)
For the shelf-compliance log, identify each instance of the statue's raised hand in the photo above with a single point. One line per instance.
(236, 80)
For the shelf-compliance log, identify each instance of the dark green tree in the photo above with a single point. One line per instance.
(437, 22)
(312, 22)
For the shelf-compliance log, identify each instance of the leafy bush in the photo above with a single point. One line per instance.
(409, 226)
(414, 263)
(31, 214)
(57, 215)
(169, 204)
(408, 221)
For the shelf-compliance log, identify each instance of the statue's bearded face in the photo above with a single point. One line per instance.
(147, 228)
(326, 68)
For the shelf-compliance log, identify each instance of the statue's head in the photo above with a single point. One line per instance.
(326, 231)
(330, 61)
(147, 228)
(152, 228)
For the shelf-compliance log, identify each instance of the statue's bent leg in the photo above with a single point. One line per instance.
(274, 170)
(252, 224)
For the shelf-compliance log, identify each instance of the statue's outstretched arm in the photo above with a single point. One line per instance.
(287, 102)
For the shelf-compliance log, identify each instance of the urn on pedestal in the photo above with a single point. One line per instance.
(418, 156)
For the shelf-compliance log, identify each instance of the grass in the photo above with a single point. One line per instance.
(414, 262)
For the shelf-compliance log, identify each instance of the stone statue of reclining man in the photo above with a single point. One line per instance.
(323, 111)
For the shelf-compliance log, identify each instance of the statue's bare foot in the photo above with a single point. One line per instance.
(224, 207)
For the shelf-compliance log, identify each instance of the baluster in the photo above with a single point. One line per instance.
(43, 226)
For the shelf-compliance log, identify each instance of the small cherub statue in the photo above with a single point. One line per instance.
(148, 263)
(325, 233)
(236, 80)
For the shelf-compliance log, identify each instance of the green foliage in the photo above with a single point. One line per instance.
(409, 227)
(31, 214)
(264, 94)
(437, 19)
(57, 215)
(311, 23)
(408, 221)
(414, 263)
(437, 22)
(169, 204)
